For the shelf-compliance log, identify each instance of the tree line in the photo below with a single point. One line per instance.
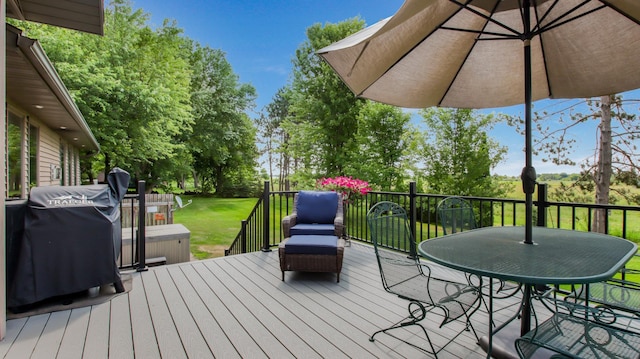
(315, 127)
(171, 111)
(162, 106)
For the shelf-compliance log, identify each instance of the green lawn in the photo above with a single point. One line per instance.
(213, 222)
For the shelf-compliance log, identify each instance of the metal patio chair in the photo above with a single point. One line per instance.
(456, 215)
(410, 279)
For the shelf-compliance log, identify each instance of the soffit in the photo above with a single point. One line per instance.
(83, 15)
(32, 81)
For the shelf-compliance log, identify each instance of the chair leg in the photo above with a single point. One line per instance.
(415, 316)
(283, 276)
(469, 326)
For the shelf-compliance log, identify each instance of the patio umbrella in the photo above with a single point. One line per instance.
(494, 53)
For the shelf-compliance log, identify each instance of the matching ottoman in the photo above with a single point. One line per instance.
(311, 253)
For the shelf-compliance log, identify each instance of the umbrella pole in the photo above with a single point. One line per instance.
(528, 172)
(528, 175)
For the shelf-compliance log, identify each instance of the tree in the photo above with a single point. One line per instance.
(459, 155)
(141, 91)
(274, 138)
(223, 141)
(382, 139)
(615, 159)
(131, 85)
(323, 112)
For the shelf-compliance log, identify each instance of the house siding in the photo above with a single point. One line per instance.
(49, 157)
(51, 149)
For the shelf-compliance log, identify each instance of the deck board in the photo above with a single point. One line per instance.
(241, 341)
(76, 328)
(239, 307)
(192, 339)
(120, 330)
(14, 328)
(143, 334)
(275, 316)
(309, 291)
(97, 342)
(25, 342)
(165, 329)
(296, 311)
(51, 337)
(235, 302)
(329, 326)
(212, 333)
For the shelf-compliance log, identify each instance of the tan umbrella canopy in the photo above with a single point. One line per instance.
(494, 53)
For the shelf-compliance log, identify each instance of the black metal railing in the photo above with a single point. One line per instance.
(254, 231)
(261, 231)
(136, 251)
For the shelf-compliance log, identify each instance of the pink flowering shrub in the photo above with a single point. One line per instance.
(350, 188)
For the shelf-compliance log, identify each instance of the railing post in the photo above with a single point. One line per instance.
(265, 217)
(243, 236)
(413, 194)
(142, 211)
(542, 205)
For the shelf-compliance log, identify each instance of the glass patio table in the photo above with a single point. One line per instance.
(558, 256)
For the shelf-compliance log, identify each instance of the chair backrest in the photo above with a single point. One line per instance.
(389, 228)
(317, 206)
(456, 215)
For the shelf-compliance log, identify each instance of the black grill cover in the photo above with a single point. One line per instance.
(15, 213)
(71, 240)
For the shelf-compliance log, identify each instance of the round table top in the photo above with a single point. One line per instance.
(558, 256)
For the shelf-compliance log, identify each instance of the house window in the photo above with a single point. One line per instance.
(34, 135)
(14, 156)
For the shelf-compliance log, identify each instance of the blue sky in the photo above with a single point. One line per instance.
(260, 38)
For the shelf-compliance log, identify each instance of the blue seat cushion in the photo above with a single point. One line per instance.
(316, 207)
(311, 245)
(303, 229)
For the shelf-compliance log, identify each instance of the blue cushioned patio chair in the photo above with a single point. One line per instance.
(315, 213)
(410, 279)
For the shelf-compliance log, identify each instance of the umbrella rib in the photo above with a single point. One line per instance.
(488, 18)
(498, 36)
(358, 58)
(541, 19)
(557, 22)
(406, 53)
(542, 47)
(501, 36)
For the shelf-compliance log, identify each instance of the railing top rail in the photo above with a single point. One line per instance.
(488, 199)
(594, 205)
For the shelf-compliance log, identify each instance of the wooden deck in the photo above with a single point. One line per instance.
(238, 307)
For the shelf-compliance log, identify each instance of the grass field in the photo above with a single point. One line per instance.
(516, 190)
(617, 218)
(213, 222)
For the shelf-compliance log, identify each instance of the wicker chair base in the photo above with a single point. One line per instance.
(311, 262)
